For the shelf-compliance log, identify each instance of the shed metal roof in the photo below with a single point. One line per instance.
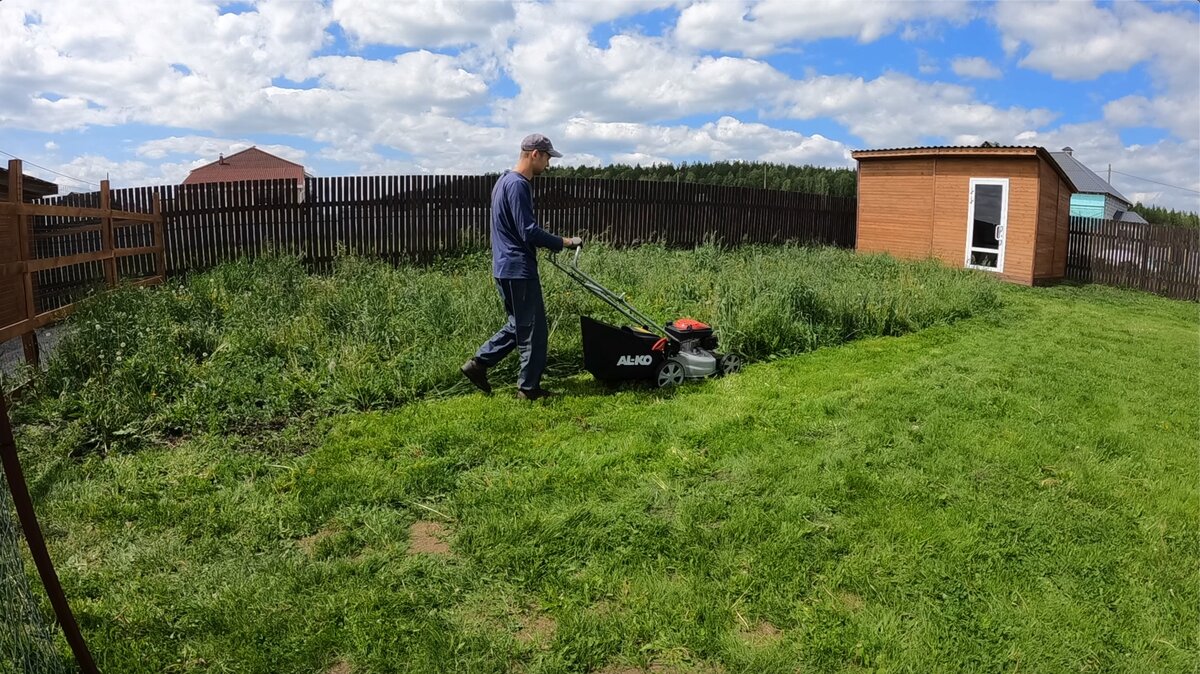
(1086, 181)
(969, 150)
(33, 187)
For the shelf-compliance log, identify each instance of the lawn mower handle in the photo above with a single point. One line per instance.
(593, 286)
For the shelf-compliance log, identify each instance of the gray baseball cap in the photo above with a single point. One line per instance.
(536, 141)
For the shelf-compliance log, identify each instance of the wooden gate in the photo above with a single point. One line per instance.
(28, 237)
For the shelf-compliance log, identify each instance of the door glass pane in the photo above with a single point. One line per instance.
(988, 200)
(981, 259)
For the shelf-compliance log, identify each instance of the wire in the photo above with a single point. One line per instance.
(26, 161)
(1185, 189)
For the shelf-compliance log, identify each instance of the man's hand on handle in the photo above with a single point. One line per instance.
(572, 242)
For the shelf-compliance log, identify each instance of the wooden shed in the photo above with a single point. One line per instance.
(1004, 210)
(32, 188)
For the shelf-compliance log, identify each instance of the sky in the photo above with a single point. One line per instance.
(142, 91)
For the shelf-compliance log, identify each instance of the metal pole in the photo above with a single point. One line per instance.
(37, 545)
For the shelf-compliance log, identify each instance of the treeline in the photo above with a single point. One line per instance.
(1163, 216)
(840, 182)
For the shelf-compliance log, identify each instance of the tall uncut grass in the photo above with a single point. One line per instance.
(257, 342)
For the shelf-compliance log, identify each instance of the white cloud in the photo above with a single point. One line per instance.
(51, 146)
(1096, 43)
(636, 158)
(975, 67)
(897, 110)
(94, 168)
(207, 149)
(561, 74)
(1098, 144)
(596, 12)
(421, 23)
(726, 139)
(415, 79)
(1179, 112)
(79, 64)
(762, 27)
(1115, 39)
(926, 64)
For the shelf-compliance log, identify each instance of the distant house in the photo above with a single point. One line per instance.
(34, 188)
(251, 164)
(1094, 196)
(999, 209)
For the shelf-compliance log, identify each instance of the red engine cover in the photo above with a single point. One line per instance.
(689, 324)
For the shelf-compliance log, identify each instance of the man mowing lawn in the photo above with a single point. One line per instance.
(516, 237)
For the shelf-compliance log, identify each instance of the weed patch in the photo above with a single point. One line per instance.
(257, 343)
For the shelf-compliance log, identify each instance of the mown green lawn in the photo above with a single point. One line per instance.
(1015, 492)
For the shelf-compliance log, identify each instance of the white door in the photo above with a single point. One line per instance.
(987, 223)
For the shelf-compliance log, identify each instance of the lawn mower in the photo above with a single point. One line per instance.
(682, 349)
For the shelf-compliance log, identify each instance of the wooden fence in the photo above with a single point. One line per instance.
(394, 217)
(1161, 259)
(52, 253)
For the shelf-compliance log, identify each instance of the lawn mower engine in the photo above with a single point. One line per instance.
(688, 351)
(684, 348)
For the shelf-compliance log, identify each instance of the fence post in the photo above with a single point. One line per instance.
(16, 195)
(160, 240)
(107, 244)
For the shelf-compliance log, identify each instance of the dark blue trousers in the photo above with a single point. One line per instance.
(525, 331)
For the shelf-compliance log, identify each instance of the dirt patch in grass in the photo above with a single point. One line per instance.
(851, 601)
(761, 633)
(309, 544)
(428, 538)
(536, 628)
(660, 668)
(339, 667)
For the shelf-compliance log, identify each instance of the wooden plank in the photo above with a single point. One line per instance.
(199, 226)
(440, 221)
(263, 228)
(20, 221)
(208, 225)
(328, 215)
(221, 249)
(218, 248)
(160, 239)
(129, 252)
(421, 217)
(29, 343)
(172, 230)
(362, 223)
(34, 266)
(372, 231)
(194, 225)
(247, 198)
(48, 210)
(317, 216)
(58, 232)
(40, 320)
(273, 236)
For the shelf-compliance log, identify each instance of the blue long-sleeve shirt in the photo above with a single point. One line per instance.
(515, 233)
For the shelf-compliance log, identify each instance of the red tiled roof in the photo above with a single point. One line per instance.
(249, 164)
